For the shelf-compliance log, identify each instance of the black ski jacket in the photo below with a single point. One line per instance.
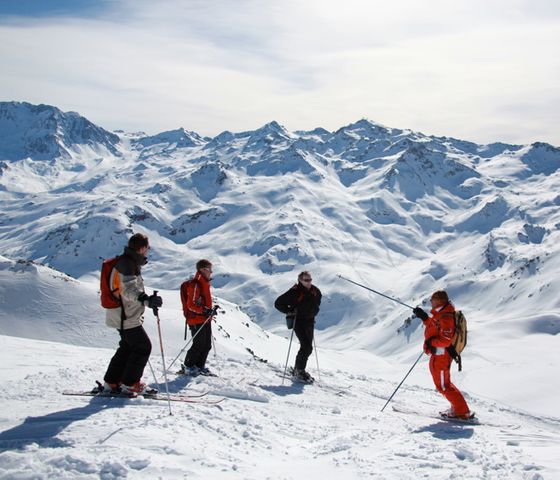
(305, 302)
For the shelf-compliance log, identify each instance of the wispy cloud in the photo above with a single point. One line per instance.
(483, 71)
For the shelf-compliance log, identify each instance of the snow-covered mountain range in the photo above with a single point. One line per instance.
(400, 211)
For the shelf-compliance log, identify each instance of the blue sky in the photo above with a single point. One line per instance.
(50, 8)
(477, 70)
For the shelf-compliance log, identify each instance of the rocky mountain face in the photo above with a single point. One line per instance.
(43, 132)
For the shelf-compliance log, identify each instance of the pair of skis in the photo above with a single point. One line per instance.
(339, 391)
(471, 420)
(186, 374)
(185, 398)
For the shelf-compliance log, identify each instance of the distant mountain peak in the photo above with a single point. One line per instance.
(179, 138)
(366, 122)
(270, 128)
(318, 131)
(268, 134)
(44, 132)
(273, 126)
(366, 125)
(542, 158)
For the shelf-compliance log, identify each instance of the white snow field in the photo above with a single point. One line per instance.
(396, 210)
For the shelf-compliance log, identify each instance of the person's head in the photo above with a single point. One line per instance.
(139, 243)
(439, 298)
(305, 279)
(205, 268)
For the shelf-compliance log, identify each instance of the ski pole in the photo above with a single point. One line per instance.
(417, 360)
(153, 373)
(289, 348)
(186, 329)
(155, 310)
(316, 358)
(375, 291)
(189, 342)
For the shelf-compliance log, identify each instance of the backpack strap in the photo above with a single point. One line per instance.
(455, 356)
(123, 314)
(119, 299)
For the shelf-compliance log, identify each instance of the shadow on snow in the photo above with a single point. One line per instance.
(43, 430)
(445, 431)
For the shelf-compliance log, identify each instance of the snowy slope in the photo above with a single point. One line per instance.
(41, 303)
(261, 430)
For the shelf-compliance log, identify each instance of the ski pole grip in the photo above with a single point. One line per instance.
(155, 309)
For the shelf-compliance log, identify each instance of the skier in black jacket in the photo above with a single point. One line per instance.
(301, 304)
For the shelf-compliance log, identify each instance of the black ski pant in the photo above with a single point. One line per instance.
(129, 361)
(201, 345)
(304, 332)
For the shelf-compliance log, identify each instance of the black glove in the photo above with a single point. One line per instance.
(209, 312)
(429, 349)
(290, 319)
(155, 301)
(421, 314)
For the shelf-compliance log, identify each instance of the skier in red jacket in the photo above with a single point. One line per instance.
(198, 311)
(439, 329)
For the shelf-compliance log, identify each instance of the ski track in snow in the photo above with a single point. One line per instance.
(262, 430)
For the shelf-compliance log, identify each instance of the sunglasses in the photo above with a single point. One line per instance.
(306, 280)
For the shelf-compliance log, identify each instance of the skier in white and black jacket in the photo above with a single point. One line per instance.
(127, 365)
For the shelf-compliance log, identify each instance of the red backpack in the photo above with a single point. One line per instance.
(186, 287)
(108, 297)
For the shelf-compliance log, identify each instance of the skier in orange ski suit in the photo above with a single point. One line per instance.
(439, 329)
